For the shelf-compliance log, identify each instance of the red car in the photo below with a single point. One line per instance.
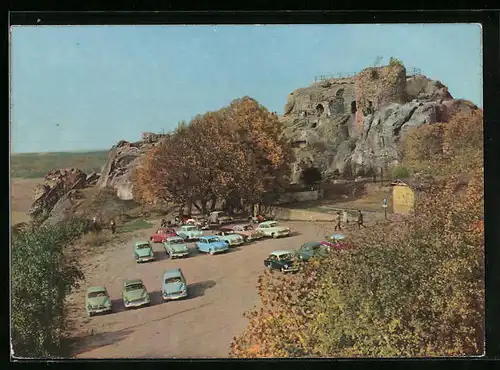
(162, 234)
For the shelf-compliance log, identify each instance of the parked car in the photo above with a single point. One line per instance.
(135, 294)
(143, 252)
(313, 249)
(175, 247)
(271, 228)
(281, 260)
(174, 285)
(199, 221)
(338, 241)
(189, 232)
(247, 231)
(97, 300)
(212, 245)
(231, 238)
(219, 217)
(162, 234)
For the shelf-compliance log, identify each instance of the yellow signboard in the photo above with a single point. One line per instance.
(403, 199)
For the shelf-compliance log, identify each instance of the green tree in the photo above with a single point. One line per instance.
(41, 278)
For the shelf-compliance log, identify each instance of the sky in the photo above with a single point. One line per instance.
(76, 88)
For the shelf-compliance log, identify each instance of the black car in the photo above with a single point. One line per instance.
(281, 260)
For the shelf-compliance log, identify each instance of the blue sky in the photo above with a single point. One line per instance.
(84, 88)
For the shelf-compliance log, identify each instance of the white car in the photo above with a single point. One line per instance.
(272, 229)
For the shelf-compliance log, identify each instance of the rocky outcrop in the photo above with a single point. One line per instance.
(355, 124)
(58, 184)
(122, 159)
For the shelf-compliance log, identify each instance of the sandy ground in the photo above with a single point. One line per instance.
(221, 288)
(21, 196)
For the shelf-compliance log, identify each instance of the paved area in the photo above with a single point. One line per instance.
(221, 288)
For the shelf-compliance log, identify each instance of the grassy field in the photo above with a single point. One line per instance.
(36, 165)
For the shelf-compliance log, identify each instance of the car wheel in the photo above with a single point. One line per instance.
(211, 252)
(282, 269)
(274, 235)
(90, 314)
(151, 239)
(167, 255)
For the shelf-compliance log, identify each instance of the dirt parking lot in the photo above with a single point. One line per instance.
(221, 288)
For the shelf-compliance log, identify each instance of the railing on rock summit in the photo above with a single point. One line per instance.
(335, 75)
(413, 72)
(410, 72)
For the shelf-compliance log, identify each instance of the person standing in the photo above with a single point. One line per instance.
(113, 226)
(360, 220)
(337, 222)
(345, 220)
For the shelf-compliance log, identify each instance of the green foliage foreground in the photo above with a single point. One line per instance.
(41, 278)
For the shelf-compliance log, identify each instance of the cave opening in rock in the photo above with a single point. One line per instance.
(320, 109)
(353, 107)
(314, 124)
(310, 176)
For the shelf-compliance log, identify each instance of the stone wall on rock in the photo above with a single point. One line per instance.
(376, 87)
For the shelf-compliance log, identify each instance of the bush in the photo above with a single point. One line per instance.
(395, 61)
(41, 278)
(96, 239)
(400, 172)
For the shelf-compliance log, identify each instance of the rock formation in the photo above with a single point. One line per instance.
(122, 159)
(356, 123)
(59, 184)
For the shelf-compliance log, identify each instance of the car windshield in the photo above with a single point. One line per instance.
(222, 214)
(143, 246)
(248, 227)
(136, 286)
(175, 241)
(285, 257)
(97, 294)
(173, 280)
(212, 240)
(274, 224)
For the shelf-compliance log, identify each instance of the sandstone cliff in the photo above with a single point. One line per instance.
(53, 198)
(356, 123)
(122, 159)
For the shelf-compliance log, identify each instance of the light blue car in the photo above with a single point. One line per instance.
(211, 244)
(174, 285)
(189, 232)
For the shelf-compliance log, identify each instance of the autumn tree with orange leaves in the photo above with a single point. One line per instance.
(412, 290)
(236, 152)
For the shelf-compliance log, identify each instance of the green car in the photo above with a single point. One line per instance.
(143, 252)
(312, 249)
(97, 300)
(135, 294)
(175, 247)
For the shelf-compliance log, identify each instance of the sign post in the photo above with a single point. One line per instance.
(385, 208)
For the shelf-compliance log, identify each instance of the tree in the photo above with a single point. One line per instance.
(236, 152)
(41, 278)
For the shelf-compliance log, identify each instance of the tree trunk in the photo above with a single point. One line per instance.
(189, 206)
(213, 203)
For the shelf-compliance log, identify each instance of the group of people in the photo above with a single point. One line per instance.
(96, 227)
(341, 217)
